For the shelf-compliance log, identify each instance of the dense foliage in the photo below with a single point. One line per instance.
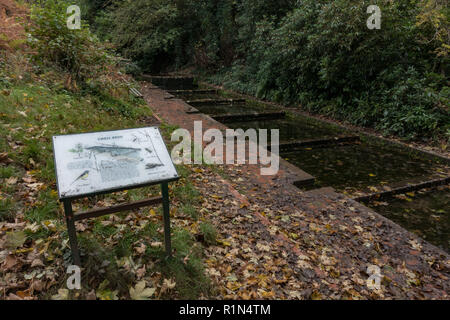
(66, 60)
(318, 53)
(74, 51)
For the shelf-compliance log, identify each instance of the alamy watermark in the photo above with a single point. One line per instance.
(74, 21)
(374, 21)
(74, 281)
(374, 280)
(233, 148)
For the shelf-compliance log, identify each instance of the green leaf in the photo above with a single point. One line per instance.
(104, 293)
(15, 239)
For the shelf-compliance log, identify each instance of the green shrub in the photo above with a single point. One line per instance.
(323, 56)
(317, 53)
(75, 51)
(145, 31)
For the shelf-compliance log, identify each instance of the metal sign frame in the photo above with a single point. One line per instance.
(72, 217)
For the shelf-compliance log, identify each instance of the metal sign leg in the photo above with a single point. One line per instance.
(166, 211)
(72, 232)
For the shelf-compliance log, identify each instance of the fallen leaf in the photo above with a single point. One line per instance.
(11, 180)
(12, 296)
(262, 247)
(37, 263)
(168, 284)
(91, 295)
(15, 239)
(140, 292)
(63, 294)
(156, 244)
(141, 248)
(141, 272)
(104, 293)
(10, 262)
(415, 245)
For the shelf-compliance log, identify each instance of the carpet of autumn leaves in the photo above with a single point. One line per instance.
(118, 251)
(234, 237)
(276, 243)
(123, 255)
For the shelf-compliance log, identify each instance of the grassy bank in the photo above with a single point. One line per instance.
(122, 255)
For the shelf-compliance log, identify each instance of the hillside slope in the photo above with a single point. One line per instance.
(10, 28)
(41, 97)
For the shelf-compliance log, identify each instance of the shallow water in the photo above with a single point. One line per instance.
(364, 167)
(426, 213)
(292, 129)
(200, 96)
(214, 110)
(295, 128)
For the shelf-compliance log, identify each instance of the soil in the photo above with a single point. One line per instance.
(10, 28)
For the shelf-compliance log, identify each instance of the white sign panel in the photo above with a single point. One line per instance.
(89, 163)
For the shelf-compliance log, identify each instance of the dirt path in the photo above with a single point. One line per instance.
(278, 242)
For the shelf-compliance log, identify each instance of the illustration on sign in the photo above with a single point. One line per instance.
(94, 162)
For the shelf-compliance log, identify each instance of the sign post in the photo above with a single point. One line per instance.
(90, 164)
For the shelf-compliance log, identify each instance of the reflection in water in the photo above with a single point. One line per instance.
(366, 168)
(426, 213)
(227, 109)
(358, 169)
(291, 129)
